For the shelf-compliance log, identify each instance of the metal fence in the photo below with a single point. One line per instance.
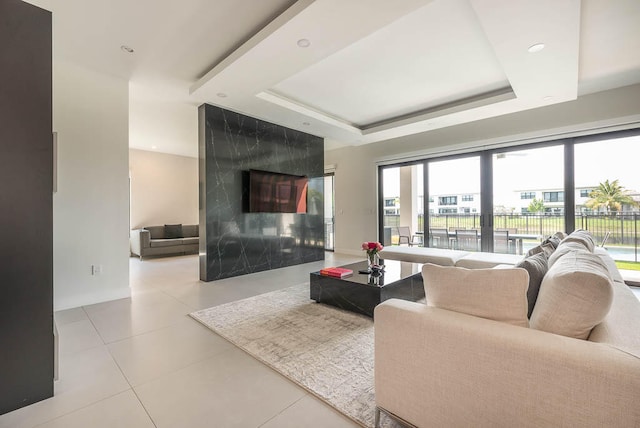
(622, 228)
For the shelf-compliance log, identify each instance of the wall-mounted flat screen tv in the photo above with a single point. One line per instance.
(274, 192)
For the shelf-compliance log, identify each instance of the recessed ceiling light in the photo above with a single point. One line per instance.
(306, 123)
(154, 147)
(221, 95)
(548, 98)
(127, 49)
(536, 48)
(304, 43)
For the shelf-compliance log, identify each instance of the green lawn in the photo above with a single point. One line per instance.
(628, 265)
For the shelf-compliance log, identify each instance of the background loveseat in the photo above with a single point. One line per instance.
(169, 239)
(443, 367)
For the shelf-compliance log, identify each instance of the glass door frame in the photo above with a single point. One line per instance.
(333, 213)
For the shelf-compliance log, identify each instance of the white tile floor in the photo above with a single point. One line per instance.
(142, 362)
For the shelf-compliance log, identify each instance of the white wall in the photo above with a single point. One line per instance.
(356, 167)
(164, 189)
(91, 206)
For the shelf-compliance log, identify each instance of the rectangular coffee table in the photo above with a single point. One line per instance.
(361, 293)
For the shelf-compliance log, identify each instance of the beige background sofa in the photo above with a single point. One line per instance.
(153, 241)
(440, 367)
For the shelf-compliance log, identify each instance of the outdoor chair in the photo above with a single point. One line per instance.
(501, 242)
(467, 239)
(439, 238)
(405, 236)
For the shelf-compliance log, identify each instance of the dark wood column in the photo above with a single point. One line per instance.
(26, 171)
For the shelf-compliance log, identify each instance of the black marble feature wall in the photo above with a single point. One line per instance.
(234, 241)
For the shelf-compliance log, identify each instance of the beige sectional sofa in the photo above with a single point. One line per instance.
(445, 257)
(460, 364)
(174, 239)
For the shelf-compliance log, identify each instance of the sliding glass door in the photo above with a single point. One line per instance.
(528, 197)
(454, 203)
(329, 212)
(507, 200)
(403, 205)
(607, 194)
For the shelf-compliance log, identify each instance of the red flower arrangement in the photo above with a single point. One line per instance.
(372, 248)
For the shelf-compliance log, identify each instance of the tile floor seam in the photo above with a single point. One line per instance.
(94, 326)
(283, 410)
(179, 369)
(79, 408)
(144, 407)
(145, 332)
(199, 360)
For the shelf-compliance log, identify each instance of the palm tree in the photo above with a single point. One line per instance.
(610, 196)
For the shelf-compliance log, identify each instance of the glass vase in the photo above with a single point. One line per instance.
(374, 261)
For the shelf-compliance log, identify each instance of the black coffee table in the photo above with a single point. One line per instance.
(361, 293)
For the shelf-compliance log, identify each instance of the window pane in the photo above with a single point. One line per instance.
(608, 193)
(403, 204)
(454, 203)
(329, 212)
(528, 197)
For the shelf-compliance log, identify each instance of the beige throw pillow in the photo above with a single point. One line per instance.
(496, 294)
(582, 236)
(575, 296)
(564, 248)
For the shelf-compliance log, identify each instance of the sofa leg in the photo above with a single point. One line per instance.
(376, 424)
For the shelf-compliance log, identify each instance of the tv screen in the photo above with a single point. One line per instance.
(274, 192)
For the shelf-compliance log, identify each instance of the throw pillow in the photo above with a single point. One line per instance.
(495, 294)
(582, 236)
(536, 265)
(575, 296)
(552, 240)
(547, 249)
(560, 235)
(564, 248)
(172, 231)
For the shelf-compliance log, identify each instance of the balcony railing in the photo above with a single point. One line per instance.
(623, 228)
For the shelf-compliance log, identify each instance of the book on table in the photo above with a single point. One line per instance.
(336, 272)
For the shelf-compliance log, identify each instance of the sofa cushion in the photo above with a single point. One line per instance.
(155, 232)
(583, 237)
(608, 261)
(575, 296)
(172, 231)
(437, 256)
(496, 294)
(190, 230)
(156, 243)
(537, 267)
(547, 249)
(190, 240)
(487, 260)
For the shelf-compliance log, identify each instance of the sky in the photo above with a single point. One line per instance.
(533, 169)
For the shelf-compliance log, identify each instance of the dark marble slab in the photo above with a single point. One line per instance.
(361, 293)
(238, 242)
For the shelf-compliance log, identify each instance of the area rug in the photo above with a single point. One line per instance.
(326, 350)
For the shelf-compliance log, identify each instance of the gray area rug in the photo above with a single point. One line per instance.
(325, 350)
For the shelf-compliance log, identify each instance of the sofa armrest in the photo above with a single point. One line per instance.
(435, 367)
(139, 240)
